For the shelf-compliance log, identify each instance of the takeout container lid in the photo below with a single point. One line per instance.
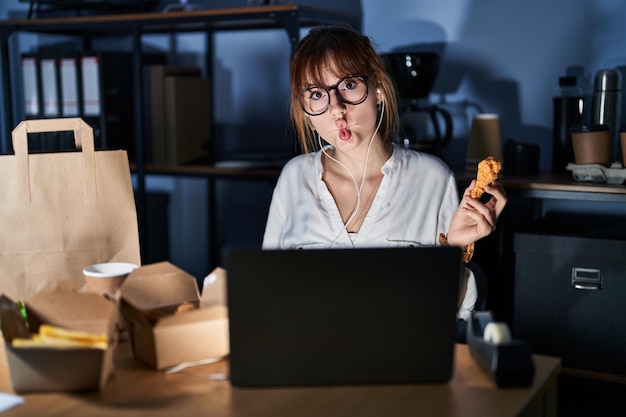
(53, 369)
(169, 321)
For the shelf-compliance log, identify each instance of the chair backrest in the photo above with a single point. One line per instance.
(481, 285)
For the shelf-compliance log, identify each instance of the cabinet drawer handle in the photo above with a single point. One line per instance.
(586, 278)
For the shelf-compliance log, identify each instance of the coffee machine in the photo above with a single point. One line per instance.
(425, 127)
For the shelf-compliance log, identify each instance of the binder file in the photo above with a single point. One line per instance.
(30, 85)
(49, 86)
(90, 71)
(69, 86)
(89, 88)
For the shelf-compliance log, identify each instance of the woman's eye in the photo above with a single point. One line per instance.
(316, 95)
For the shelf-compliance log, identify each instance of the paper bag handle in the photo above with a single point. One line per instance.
(83, 138)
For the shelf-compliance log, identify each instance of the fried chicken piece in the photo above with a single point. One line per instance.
(488, 170)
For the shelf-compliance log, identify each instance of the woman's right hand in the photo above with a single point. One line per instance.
(473, 220)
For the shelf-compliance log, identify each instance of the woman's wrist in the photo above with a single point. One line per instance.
(467, 251)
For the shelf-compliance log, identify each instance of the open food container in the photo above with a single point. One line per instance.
(48, 366)
(169, 322)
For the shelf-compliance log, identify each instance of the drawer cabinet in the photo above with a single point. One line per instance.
(570, 299)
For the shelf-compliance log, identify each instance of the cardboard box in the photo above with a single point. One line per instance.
(180, 113)
(168, 322)
(60, 369)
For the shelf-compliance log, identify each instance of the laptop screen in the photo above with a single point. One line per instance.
(342, 316)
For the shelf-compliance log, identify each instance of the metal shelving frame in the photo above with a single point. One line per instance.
(291, 18)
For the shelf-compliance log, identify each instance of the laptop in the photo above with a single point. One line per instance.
(342, 316)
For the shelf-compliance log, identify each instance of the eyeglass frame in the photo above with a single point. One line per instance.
(335, 87)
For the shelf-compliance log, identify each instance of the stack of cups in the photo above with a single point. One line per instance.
(484, 140)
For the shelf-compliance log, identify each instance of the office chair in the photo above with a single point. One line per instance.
(481, 300)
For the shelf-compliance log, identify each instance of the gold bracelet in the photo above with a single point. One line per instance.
(468, 251)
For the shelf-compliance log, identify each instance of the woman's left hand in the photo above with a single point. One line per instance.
(473, 219)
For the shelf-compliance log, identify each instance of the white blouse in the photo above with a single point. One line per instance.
(414, 203)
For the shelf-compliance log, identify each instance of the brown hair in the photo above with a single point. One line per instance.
(343, 51)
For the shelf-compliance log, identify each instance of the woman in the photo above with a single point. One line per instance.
(353, 187)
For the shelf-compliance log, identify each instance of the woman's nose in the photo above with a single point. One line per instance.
(337, 107)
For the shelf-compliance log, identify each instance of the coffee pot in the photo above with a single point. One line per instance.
(425, 127)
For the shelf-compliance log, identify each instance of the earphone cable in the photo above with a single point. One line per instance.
(358, 188)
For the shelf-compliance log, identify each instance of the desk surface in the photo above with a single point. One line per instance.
(136, 390)
(555, 186)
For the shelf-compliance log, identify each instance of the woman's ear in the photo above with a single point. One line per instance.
(379, 96)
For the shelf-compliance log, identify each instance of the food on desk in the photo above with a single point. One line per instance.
(170, 321)
(488, 170)
(186, 307)
(57, 337)
(158, 313)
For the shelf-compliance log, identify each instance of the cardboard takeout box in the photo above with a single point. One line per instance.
(169, 323)
(59, 369)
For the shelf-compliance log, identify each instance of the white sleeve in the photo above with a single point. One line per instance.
(471, 295)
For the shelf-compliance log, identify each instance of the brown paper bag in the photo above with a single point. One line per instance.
(60, 212)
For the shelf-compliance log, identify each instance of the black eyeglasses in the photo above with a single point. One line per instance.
(350, 90)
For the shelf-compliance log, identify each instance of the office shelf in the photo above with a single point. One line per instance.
(290, 18)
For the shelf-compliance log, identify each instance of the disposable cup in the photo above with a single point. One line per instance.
(592, 144)
(106, 278)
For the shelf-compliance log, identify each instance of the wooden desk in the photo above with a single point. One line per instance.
(136, 390)
(554, 186)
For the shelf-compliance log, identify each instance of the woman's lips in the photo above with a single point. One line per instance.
(344, 132)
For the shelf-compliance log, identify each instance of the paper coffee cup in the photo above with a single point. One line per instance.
(106, 278)
(592, 144)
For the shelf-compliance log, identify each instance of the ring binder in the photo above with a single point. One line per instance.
(30, 85)
(69, 85)
(49, 86)
(91, 85)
